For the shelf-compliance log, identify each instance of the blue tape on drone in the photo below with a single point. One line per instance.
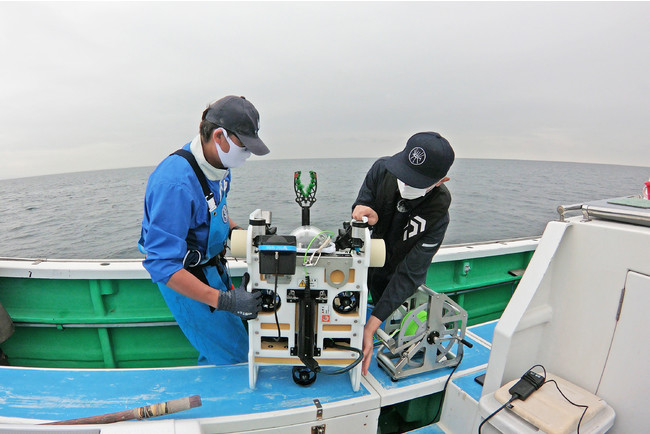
(277, 248)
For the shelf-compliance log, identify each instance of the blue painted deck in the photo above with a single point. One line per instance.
(466, 382)
(429, 429)
(472, 357)
(57, 394)
(471, 387)
(484, 331)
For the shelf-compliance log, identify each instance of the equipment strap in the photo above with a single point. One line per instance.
(209, 197)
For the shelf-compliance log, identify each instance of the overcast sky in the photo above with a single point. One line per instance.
(88, 86)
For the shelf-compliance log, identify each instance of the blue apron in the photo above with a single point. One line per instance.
(220, 337)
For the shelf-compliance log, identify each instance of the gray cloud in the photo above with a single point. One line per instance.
(89, 86)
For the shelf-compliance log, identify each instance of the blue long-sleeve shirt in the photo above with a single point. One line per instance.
(176, 216)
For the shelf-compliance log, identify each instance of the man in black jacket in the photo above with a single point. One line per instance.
(404, 199)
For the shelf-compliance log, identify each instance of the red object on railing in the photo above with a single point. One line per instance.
(647, 189)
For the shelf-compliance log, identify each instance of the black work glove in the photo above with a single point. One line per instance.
(242, 303)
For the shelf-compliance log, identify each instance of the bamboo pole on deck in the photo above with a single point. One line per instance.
(145, 412)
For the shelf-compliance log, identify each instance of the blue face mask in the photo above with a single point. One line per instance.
(236, 155)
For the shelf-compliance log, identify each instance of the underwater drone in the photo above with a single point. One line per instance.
(314, 294)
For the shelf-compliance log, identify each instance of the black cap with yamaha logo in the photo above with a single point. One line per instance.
(425, 160)
(237, 114)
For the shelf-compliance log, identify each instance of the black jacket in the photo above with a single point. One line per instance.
(412, 230)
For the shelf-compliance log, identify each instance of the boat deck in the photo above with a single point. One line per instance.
(415, 386)
(41, 395)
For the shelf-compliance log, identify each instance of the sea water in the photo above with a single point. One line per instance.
(97, 215)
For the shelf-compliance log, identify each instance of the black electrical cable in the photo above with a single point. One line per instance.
(275, 308)
(275, 296)
(444, 388)
(351, 365)
(526, 386)
(512, 398)
(543, 369)
(530, 390)
(586, 407)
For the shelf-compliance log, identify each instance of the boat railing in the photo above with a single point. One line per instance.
(562, 209)
(106, 262)
(499, 241)
(631, 209)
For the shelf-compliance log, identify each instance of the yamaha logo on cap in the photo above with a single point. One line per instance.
(417, 156)
(425, 160)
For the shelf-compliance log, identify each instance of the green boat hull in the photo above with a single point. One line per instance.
(68, 320)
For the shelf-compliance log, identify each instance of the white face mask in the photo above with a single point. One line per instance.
(236, 155)
(408, 192)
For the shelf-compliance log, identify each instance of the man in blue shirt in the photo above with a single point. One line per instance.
(186, 226)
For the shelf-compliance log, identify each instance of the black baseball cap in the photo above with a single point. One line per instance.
(425, 160)
(237, 114)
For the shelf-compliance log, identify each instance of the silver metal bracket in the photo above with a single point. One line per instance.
(319, 410)
(562, 209)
